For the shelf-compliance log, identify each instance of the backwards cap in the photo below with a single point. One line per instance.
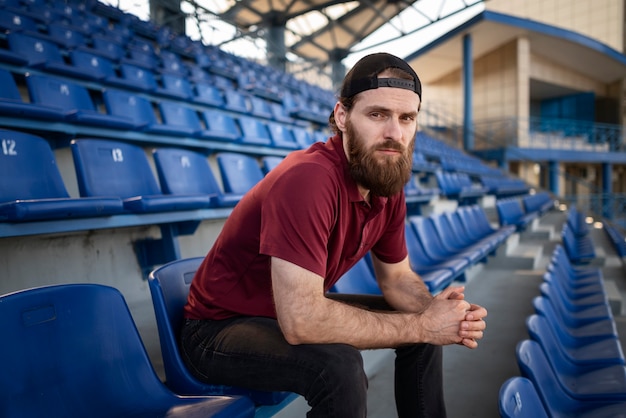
(364, 75)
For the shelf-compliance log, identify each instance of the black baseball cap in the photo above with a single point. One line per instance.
(364, 75)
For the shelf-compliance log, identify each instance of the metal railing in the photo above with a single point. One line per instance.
(544, 134)
(549, 134)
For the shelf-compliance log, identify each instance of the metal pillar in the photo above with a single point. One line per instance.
(607, 190)
(468, 76)
(553, 177)
(276, 50)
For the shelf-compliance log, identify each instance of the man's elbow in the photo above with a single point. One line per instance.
(294, 332)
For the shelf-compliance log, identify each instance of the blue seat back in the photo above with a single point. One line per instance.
(302, 137)
(209, 94)
(254, 132)
(97, 65)
(221, 125)
(130, 105)
(112, 168)
(282, 137)
(28, 169)
(535, 366)
(239, 172)
(417, 256)
(15, 22)
(107, 47)
(8, 87)
(182, 171)
(235, 101)
(269, 162)
(518, 398)
(177, 114)
(74, 350)
(141, 78)
(169, 287)
(428, 236)
(172, 63)
(177, 86)
(65, 35)
(359, 280)
(36, 50)
(60, 93)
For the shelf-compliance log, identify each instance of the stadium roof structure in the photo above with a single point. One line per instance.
(322, 33)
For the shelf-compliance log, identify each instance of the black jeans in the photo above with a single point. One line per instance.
(251, 352)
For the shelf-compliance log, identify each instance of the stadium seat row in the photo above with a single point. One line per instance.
(441, 247)
(573, 363)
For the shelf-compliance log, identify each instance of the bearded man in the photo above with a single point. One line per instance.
(258, 314)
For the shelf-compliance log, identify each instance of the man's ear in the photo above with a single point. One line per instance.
(340, 116)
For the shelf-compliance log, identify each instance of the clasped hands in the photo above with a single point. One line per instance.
(472, 327)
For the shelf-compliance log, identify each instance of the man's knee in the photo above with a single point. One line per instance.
(341, 386)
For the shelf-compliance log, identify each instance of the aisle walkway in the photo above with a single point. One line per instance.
(473, 377)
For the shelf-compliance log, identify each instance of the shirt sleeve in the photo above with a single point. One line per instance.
(297, 216)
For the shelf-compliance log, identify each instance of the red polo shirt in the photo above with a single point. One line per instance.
(307, 211)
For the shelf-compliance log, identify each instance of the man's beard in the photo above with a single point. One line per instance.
(383, 175)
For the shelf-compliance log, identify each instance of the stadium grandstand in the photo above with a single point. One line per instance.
(129, 131)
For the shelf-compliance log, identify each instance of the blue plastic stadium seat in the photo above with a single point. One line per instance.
(511, 212)
(169, 287)
(580, 248)
(535, 366)
(176, 86)
(282, 136)
(42, 54)
(239, 172)
(182, 118)
(107, 47)
(254, 132)
(572, 363)
(576, 220)
(269, 162)
(140, 110)
(302, 137)
(455, 242)
(11, 102)
(502, 187)
(139, 78)
(12, 20)
(186, 172)
(219, 126)
(112, 168)
(235, 101)
(31, 187)
(172, 63)
(260, 107)
(539, 202)
(208, 94)
(359, 280)
(458, 186)
(95, 66)
(73, 100)
(574, 335)
(475, 220)
(518, 398)
(440, 273)
(56, 339)
(141, 56)
(66, 36)
(434, 244)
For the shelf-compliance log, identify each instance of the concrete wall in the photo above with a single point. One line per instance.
(599, 19)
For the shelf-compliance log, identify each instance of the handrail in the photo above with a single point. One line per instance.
(544, 133)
